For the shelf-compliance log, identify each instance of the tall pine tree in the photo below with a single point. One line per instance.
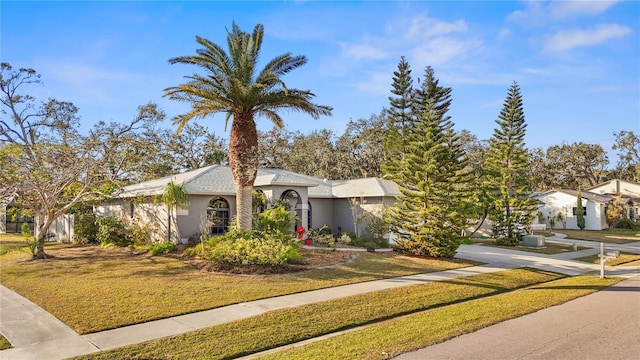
(506, 175)
(399, 114)
(430, 216)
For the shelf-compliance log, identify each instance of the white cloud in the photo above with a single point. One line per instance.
(422, 26)
(504, 33)
(376, 83)
(567, 40)
(565, 9)
(441, 50)
(534, 13)
(537, 13)
(363, 52)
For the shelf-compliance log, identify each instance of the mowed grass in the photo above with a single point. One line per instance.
(394, 337)
(626, 259)
(287, 326)
(606, 236)
(93, 289)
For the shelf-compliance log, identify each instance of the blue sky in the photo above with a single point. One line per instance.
(577, 63)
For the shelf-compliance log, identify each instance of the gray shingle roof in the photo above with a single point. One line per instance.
(218, 180)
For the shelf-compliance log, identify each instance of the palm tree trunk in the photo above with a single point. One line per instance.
(243, 160)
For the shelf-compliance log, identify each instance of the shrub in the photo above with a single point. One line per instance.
(322, 236)
(111, 231)
(276, 220)
(85, 229)
(350, 234)
(162, 248)
(251, 248)
(140, 234)
(628, 224)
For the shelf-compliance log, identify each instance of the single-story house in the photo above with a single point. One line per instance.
(315, 202)
(628, 191)
(558, 206)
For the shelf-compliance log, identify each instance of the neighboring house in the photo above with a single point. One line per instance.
(629, 193)
(314, 202)
(559, 209)
(558, 206)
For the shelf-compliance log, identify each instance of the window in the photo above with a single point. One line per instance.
(218, 215)
(584, 211)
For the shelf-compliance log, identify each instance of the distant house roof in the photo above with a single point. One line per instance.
(218, 180)
(616, 187)
(595, 197)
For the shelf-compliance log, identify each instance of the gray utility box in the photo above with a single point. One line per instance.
(533, 241)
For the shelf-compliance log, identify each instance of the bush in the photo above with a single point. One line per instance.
(252, 248)
(350, 234)
(322, 236)
(276, 220)
(162, 248)
(140, 234)
(111, 231)
(628, 224)
(85, 229)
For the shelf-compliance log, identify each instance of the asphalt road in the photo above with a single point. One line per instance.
(603, 325)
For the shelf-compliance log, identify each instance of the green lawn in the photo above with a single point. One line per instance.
(606, 236)
(410, 333)
(624, 259)
(93, 289)
(287, 326)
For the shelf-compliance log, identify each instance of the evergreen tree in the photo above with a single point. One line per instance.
(430, 216)
(580, 211)
(399, 114)
(506, 169)
(431, 93)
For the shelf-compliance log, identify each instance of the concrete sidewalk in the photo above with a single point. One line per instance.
(38, 335)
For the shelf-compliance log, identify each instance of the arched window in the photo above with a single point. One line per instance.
(292, 198)
(218, 215)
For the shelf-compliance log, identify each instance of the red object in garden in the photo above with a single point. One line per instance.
(300, 230)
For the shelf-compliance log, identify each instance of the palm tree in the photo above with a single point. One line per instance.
(232, 85)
